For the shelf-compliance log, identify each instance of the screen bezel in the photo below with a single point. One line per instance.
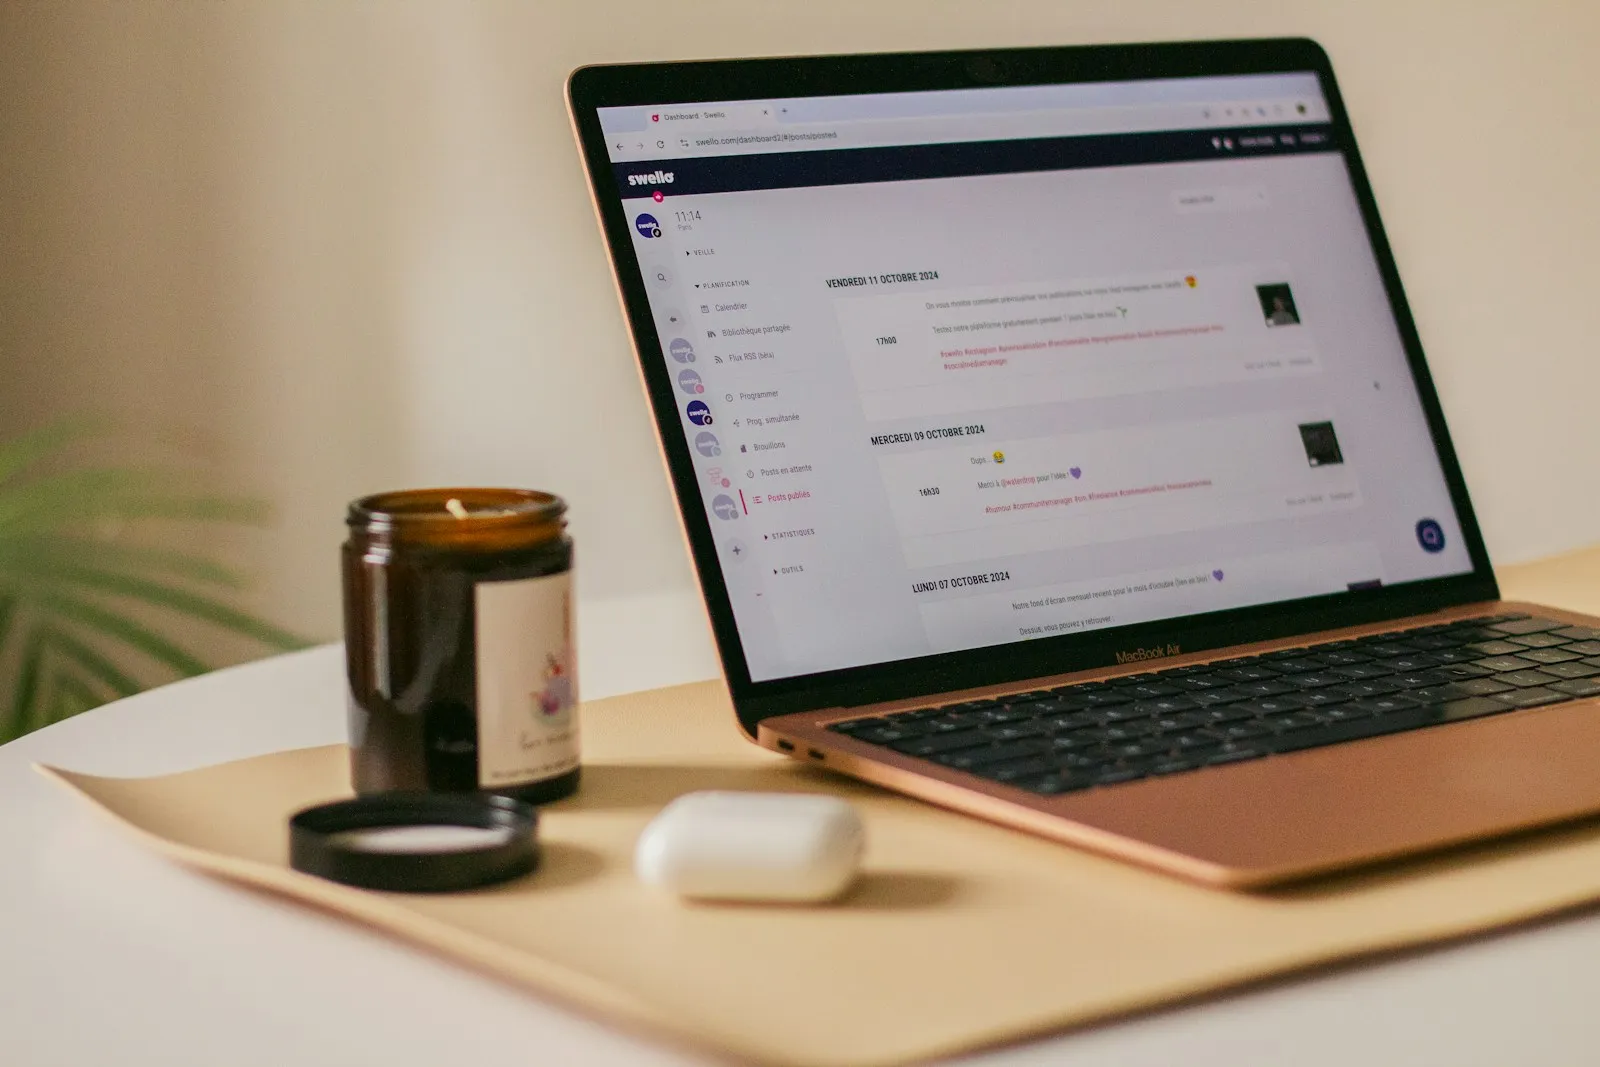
(594, 87)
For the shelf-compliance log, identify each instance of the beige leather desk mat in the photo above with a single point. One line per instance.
(961, 935)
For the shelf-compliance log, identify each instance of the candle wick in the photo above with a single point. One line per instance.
(453, 506)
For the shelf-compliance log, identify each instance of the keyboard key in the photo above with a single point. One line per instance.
(1058, 783)
(1438, 694)
(1295, 720)
(1464, 654)
(1549, 655)
(1538, 641)
(882, 735)
(1585, 648)
(937, 743)
(1228, 713)
(977, 757)
(1299, 664)
(1166, 705)
(1150, 690)
(1251, 673)
(1027, 768)
(1361, 671)
(1521, 627)
(1118, 775)
(1525, 678)
(1264, 689)
(1528, 698)
(1504, 663)
(1354, 730)
(1139, 749)
(1481, 687)
(1346, 712)
(1578, 633)
(1234, 754)
(1570, 670)
(1175, 765)
(1315, 680)
(1470, 708)
(1387, 649)
(852, 726)
(1319, 698)
(1578, 687)
(1434, 642)
(1216, 697)
(1455, 671)
(1199, 682)
(1407, 664)
(1275, 705)
(1196, 741)
(1371, 688)
(1494, 648)
(1014, 730)
(1342, 657)
(1387, 705)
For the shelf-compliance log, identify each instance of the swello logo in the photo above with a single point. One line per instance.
(656, 177)
(647, 226)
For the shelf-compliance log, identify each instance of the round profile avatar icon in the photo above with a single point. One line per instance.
(690, 382)
(707, 445)
(723, 507)
(681, 350)
(647, 225)
(1430, 535)
(698, 413)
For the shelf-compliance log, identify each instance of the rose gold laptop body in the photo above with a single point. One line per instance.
(1247, 825)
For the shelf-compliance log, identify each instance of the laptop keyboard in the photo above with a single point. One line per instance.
(1076, 737)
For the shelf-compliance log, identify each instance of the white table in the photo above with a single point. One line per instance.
(112, 955)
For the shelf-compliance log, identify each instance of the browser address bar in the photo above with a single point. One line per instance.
(765, 136)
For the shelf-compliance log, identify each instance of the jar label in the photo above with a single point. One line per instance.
(527, 681)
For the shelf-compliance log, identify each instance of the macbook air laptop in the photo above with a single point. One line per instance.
(1054, 444)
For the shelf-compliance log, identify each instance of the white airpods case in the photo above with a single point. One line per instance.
(778, 847)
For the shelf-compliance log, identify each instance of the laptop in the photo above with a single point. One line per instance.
(1054, 444)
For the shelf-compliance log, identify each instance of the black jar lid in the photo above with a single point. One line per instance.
(383, 841)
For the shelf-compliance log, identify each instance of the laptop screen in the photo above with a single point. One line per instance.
(964, 368)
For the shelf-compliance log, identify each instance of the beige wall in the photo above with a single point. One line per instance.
(335, 247)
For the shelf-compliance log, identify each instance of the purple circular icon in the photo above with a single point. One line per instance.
(699, 413)
(690, 382)
(681, 350)
(647, 226)
(724, 507)
(1430, 535)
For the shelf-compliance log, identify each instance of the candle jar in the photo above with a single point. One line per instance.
(459, 643)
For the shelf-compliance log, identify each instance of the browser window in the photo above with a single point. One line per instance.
(963, 368)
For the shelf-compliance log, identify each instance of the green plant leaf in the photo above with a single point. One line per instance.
(8, 614)
(69, 696)
(72, 498)
(18, 552)
(129, 631)
(159, 594)
(89, 660)
(26, 690)
(23, 452)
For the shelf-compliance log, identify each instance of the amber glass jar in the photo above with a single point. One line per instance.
(459, 643)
